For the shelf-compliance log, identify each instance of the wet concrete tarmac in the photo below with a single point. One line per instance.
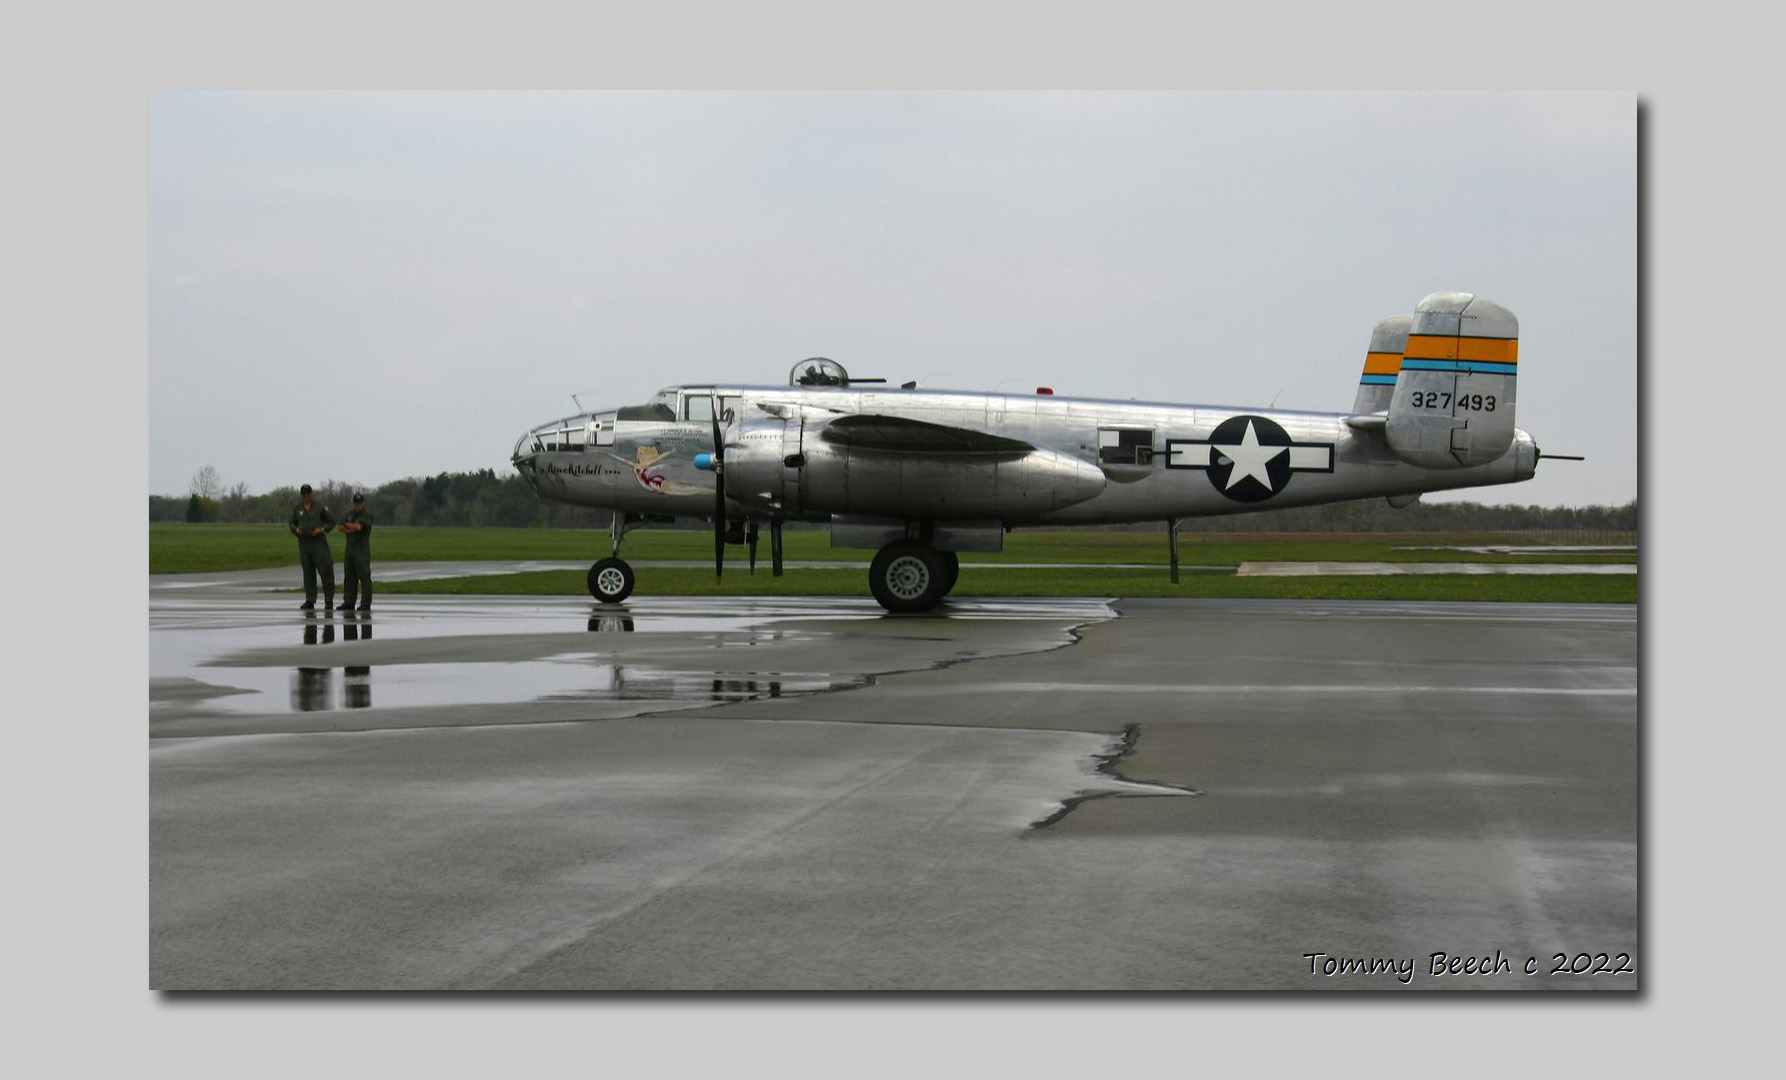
(1356, 569)
(505, 793)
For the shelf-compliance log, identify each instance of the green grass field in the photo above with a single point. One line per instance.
(986, 581)
(178, 549)
(213, 548)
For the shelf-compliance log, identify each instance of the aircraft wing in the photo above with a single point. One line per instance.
(897, 433)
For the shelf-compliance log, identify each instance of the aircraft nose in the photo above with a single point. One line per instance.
(522, 457)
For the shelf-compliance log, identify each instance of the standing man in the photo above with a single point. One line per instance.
(357, 566)
(310, 523)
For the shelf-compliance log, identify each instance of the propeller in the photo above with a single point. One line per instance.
(719, 502)
(750, 538)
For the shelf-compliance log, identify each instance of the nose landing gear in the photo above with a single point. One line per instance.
(611, 580)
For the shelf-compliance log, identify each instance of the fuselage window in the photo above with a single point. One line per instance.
(698, 408)
(1125, 446)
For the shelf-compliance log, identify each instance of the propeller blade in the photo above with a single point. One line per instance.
(750, 539)
(719, 503)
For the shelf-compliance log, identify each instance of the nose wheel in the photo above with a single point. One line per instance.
(611, 580)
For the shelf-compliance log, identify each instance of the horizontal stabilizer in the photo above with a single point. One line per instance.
(897, 433)
(1368, 421)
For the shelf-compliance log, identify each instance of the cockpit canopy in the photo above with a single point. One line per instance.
(818, 371)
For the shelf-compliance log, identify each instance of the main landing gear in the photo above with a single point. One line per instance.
(906, 575)
(909, 575)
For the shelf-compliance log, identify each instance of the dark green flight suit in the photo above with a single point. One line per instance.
(357, 566)
(313, 551)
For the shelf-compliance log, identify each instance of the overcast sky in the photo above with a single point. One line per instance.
(362, 287)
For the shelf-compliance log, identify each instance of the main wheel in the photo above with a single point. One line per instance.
(611, 580)
(907, 576)
(951, 570)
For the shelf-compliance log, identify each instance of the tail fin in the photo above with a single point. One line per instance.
(1382, 363)
(1454, 396)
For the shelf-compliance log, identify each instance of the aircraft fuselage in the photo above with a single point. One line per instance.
(1094, 460)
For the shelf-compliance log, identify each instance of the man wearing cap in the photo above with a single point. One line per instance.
(310, 523)
(357, 566)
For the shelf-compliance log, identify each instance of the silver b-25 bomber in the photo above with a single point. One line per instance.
(920, 475)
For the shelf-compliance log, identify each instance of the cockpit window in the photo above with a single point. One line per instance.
(698, 408)
(570, 434)
(656, 411)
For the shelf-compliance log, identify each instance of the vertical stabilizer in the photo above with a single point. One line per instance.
(1454, 396)
(1382, 363)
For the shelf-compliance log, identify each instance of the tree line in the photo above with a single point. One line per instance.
(484, 498)
(473, 498)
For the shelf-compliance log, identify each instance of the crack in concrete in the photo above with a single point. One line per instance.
(1105, 765)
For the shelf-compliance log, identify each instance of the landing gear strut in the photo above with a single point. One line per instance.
(611, 579)
(908, 575)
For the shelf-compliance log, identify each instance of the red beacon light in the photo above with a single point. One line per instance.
(1044, 389)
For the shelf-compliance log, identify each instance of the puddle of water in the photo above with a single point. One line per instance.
(187, 636)
(558, 679)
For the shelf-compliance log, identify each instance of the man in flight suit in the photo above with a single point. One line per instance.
(310, 523)
(357, 566)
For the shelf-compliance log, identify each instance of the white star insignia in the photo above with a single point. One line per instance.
(1250, 458)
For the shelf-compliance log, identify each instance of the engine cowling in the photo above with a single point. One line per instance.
(791, 467)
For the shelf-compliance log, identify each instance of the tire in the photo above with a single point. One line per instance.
(951, 570)
(611, 580)
(907, 576)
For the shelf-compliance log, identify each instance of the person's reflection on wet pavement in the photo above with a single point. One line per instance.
(312, 689)
(358, 687)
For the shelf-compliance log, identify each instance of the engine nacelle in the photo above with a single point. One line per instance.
(790, 466)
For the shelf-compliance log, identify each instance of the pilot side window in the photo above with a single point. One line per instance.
(1125, 446)
(698, 408)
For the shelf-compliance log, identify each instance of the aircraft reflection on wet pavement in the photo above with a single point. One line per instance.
(921, 475)
(313, 688)
(589, 677)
